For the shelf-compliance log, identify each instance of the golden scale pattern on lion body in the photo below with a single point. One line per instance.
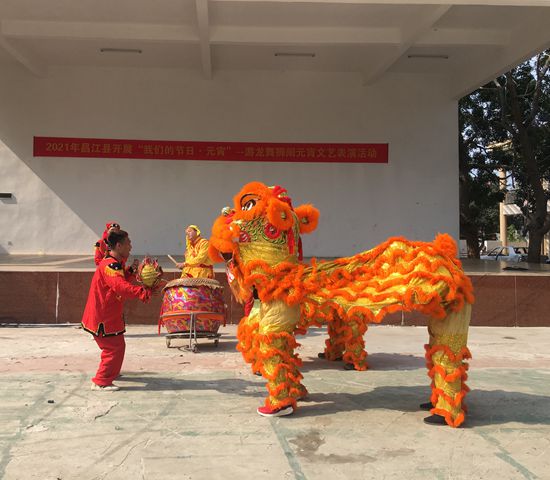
(261, 233)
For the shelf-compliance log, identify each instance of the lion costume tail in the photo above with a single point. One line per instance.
(349, 293)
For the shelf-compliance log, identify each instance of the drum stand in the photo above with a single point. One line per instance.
(193, 335)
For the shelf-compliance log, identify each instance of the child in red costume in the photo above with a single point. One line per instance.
(101, 247)
(103, 313)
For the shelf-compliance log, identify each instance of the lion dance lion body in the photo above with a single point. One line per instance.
(261, 236)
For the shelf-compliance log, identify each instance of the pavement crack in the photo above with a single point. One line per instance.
(506, 457)
(142, 461)
(130, 451)
(37, 406)
(282, 435)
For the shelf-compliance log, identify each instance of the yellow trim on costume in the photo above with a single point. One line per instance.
(112, 272)
(347, 293)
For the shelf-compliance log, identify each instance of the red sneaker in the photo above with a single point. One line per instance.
(275, 412)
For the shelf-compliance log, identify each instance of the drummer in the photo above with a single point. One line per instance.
(197, 262)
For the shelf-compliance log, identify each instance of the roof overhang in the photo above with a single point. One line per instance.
(465, 42)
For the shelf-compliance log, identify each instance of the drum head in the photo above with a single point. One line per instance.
(193, 282)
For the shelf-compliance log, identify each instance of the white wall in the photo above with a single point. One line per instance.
(61, 204)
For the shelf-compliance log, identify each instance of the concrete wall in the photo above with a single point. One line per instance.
(61, 205)
(60, 296)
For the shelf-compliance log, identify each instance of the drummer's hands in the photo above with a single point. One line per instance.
(180, 265)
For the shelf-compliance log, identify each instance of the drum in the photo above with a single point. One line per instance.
(183, 297)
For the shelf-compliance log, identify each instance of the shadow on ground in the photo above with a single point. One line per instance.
(204, 345)
(226, 385)
(376, 361)
(485, 407)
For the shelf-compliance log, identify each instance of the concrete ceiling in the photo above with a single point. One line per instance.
(468, 42)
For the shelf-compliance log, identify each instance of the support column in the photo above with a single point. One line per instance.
(502, 216)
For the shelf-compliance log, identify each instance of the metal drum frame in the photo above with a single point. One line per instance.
(192, 334)
(192, 317)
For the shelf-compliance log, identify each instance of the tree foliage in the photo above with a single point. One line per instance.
(506, 125)
(479, 184)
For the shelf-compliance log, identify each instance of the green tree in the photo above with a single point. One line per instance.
(478, 182)
(524, 109)
(513, 110)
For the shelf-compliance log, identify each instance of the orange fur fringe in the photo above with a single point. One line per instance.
(293, 283)
(283, 385)
(458, 373)
(322, 289)
(308, 216)
(246, 334)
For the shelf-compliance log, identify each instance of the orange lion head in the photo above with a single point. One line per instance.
(262, 225)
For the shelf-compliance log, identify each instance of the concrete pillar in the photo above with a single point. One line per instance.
(502, 217)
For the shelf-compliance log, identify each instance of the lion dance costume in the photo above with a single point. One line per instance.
(260, 237)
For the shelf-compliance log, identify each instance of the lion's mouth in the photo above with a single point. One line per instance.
(227, 256)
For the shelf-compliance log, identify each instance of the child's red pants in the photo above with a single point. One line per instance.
(112, 356)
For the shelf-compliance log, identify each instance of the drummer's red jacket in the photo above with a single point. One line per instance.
(110, 287)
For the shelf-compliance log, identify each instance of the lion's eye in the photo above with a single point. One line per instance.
(249, 205)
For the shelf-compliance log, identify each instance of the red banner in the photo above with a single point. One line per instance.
(225, 151)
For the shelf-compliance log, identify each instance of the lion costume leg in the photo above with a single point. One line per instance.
(356, 354)
(275, 358)
(335, 344)
(346, 340)
(446, 354)
(247, 333)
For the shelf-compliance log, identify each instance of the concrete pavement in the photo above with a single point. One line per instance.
(182, 415)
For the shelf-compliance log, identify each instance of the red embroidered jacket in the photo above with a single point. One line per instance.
(110, 287)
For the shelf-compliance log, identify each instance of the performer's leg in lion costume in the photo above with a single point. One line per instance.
(261, 235)
(247, 332)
